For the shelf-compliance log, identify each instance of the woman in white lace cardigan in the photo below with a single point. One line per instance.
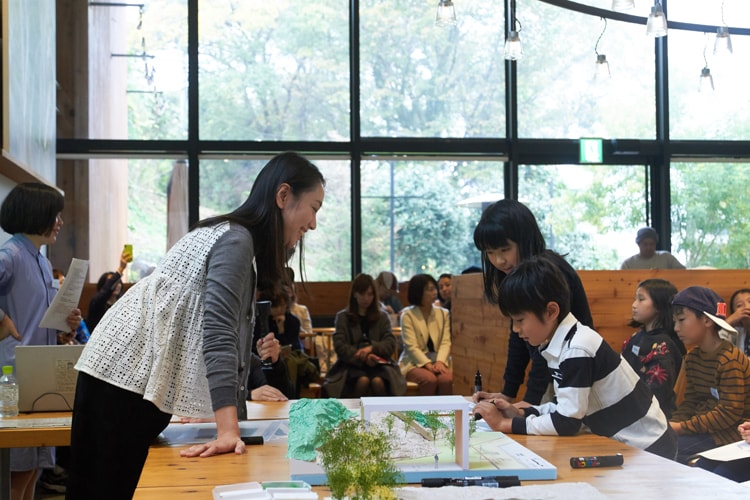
(179, 341)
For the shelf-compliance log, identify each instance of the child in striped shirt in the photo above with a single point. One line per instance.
(593, 385)
(717, 374)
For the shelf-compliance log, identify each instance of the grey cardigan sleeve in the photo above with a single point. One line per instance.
(228, 315)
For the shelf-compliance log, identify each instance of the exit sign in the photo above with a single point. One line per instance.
(591, 150)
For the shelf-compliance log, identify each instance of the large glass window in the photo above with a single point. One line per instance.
(274, 70)
(558, 92)
(419, 216)
(698, 110)
(138, 68)
(710, 203)
(422, 80)
(588, 213)
(157, 212)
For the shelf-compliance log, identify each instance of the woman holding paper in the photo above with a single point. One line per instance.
(31, 213)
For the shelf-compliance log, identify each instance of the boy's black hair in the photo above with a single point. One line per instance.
(531, 285)
(31, 208)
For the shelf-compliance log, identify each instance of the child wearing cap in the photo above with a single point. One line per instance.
(593, 385)
(717, 373)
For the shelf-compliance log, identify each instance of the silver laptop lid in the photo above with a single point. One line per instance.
(46, 377)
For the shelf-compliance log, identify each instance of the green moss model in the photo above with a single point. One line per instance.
(357, 461)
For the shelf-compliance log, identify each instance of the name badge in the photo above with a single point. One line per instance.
(636, 349)
(55, 284)
(715, 392)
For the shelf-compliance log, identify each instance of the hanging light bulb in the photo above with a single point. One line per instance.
(722, 44)
(706, 81)
(656, 25)
(622, 5)
(446, 14)
(601, 69)
(513, 49)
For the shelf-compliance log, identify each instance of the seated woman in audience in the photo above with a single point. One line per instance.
(300, 311)
(444, 291)
(364, 344)
(268, 381)
(387, 288)
(285, 325)
(426, 333)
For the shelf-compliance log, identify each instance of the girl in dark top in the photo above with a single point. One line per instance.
(364, 344)
(508, 233)
(654, 351)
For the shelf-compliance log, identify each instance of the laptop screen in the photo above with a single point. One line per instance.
(46, 377)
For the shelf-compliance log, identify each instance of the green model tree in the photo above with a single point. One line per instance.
(357, 461)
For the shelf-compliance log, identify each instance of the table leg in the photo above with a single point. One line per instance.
(4, 473)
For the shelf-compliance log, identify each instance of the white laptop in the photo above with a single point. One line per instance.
(46, 377)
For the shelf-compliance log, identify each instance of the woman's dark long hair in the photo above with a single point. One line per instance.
(361, 283)
(503, 221)
(262, 217)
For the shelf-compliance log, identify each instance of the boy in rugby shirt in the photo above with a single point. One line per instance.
(593, 385)
(717, 375)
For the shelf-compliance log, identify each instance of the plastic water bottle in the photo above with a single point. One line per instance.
(8, 393)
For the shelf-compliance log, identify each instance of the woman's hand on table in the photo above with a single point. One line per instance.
(227, 436)
(225, 443)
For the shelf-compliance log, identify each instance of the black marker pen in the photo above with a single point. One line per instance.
(600, 461)
(490, 481)
(252, 440)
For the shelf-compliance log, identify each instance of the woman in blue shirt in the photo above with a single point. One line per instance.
(31, 213)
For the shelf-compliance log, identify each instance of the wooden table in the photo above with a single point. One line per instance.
(21, 437)
(642, 474)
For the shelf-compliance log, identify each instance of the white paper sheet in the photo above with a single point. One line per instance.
(67, 298)
(731, 451)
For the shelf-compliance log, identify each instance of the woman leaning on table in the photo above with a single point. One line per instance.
(426, 332)
(178, 341)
